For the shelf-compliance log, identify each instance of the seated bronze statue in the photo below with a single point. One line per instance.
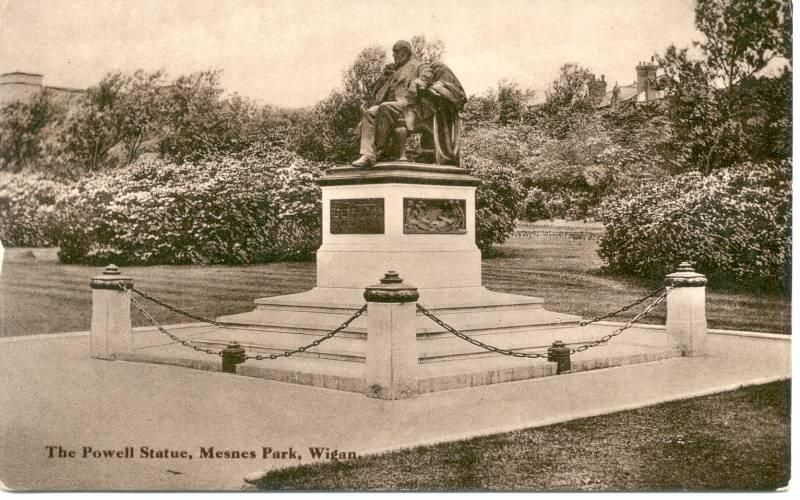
(412, 97)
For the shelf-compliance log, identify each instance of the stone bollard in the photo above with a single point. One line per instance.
(111, 314)
(559, 353)
(686, 310)
(232, 355)
(392, 358)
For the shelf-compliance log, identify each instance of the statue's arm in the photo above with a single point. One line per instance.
(423, 80)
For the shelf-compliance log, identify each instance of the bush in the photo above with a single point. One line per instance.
(28, 216)
(260, 207)
(734, 225)
(498, 203)
(536, 205)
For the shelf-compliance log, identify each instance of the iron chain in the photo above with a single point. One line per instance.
(478, 343)
(623, 309)
(258, 357)
(606, 338)
(534, 355)
(176, 310)
(166, 332)
(317, 342)
(357, 314)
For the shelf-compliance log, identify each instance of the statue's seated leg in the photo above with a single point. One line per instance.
(368, 126)
(401, 134)
(390, 117)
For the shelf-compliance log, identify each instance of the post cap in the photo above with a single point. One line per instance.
(112, 269)
(391, 277)
(233, 346)
(111, 279)
(685, 276)
(391, 289)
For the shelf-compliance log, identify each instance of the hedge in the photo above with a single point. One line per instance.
(28, 216)
(259, 207)
(230, 211)
(734, 225)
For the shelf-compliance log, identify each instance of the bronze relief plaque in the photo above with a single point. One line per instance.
(357, 216)
(434, 216)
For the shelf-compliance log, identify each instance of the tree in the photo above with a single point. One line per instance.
(193, 128)
(718, 120)
(121, 110)
(481, 109)
(568, 106)
(512, 102)
(426, 51)
(23, 129)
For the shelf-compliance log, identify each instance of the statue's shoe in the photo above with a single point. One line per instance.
(364, 161)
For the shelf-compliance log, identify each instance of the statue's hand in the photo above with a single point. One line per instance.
(416, 84)
(388, 69)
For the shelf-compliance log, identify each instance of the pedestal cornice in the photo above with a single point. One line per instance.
(398, 173)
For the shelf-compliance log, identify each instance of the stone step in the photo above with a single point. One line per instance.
(632, 347)
(431, 348)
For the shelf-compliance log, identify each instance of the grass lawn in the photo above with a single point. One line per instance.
(731, 441)
(39, 295)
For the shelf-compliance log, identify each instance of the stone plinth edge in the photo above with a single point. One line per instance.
(685, 276)
(391, 290)
(399, 173)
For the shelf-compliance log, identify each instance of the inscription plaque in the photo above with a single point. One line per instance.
(357, 216)
(434, 216)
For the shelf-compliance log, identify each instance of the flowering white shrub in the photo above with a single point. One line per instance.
(258, 207)
(734, 224)
(27, 210)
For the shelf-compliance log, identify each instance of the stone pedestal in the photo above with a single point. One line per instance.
(686, 310)
(111, 314)
(418, 220)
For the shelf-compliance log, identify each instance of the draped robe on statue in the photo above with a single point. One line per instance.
(439, 106)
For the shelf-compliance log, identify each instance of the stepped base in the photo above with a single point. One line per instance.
(636, 345)
(515, 322)
(290, 321)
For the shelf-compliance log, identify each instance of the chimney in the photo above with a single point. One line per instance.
(597, 89)
(645, 74)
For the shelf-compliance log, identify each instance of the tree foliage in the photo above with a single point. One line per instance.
(567, 108)
(727, 101)
(122, 111)
(24, 129)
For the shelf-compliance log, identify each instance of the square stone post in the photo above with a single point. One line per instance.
(686, 310)
(392, 359)
(111, 314)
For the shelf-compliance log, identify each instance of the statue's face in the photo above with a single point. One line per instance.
(401, 55)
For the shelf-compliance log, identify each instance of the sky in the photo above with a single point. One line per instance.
(293, 52)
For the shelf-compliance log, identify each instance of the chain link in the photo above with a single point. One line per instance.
(357, 314)
(166, 332)
(176, 310)
(257, 357)
(606, 338)
(623, 309)
(509, 352)
(478, 343)
(317, 342)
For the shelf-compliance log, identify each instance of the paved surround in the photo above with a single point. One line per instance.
(53, 393)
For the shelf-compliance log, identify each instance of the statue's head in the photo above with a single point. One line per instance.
(402, 51)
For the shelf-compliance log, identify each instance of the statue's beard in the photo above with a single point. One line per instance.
(401, 61)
